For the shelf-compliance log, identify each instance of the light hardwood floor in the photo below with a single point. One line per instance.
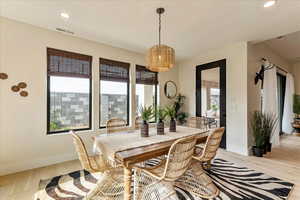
(283, 163)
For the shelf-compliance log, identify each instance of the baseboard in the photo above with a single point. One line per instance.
(10, 168)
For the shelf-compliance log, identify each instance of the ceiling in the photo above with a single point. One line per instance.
(287, 46)
(190, 26)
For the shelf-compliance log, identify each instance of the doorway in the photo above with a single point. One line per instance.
(281, 83)
(211, 94)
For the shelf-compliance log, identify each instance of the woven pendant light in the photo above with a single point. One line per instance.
(160, 58)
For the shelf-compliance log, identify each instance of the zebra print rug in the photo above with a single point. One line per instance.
(234, 182)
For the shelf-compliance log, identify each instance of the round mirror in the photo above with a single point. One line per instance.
(170, 89)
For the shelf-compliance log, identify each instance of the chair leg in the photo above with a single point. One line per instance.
(197, 182)
(160, 190)
(149, 188)
(208, 165)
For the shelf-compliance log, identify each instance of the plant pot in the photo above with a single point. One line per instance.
(257, 151)
(160, 128)
(145, 129)
(264, 149)
(268, 144)
(269, 147)
(172, 127)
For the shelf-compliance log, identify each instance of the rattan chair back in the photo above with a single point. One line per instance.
(116, 125)
(137, 122)
(197, 122)
(179, 158)
(81, 151)
(212, 144)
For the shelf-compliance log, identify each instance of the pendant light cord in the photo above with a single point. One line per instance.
(159, 29)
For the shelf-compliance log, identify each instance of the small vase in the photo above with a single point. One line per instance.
(160, 128)
(145, 129)
(172, 125)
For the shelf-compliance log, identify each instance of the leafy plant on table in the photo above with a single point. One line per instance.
(171, 112)
(146, 112)
(161, 114)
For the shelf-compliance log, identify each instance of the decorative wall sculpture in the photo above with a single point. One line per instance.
(3, 76)
(16, 88)
(20, 86)
(24, 93)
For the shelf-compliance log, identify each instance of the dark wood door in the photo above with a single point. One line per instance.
(221, 64)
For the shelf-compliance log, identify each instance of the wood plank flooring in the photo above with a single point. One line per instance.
(283, 163)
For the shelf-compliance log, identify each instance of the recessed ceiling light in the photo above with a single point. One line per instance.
(269, 3)
(65, 15)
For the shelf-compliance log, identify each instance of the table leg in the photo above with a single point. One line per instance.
(127, 183)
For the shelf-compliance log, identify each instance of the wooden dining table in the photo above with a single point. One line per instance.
(129, 148)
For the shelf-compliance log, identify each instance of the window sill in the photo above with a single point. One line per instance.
(68, 133)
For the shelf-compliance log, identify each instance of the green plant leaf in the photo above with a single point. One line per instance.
(146, 112)
(296, 105)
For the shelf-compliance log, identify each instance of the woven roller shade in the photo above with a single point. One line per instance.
(111, 70)
(64, 63)
(145, 76)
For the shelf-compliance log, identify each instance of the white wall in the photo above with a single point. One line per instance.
(24, 143)
(236, 86)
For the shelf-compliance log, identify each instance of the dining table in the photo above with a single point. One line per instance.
(128, 148)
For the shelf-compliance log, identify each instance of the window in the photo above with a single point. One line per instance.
(146, 88)
(114, 90)
(69, 91)
(214, 98)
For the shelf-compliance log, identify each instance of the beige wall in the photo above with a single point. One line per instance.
(23, 140)
(236, 86)
(296, 73)
(255, 53)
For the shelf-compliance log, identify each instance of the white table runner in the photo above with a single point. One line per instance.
(110, 144)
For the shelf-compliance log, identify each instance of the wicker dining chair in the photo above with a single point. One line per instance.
(197, 122)
(90, 163)
(207, 153)
(116, 125)
(195, 180)
(110, 186)
(157, 183)
(137, 122)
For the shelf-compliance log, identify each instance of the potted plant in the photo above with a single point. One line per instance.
(296, 106)
(269, 123)
(180, 116)
(171, 113)
(161, 115)
(146, 115)
(258, 134)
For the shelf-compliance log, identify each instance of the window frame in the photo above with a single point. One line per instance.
(49, 92)
(155, 89)
(128, 91)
